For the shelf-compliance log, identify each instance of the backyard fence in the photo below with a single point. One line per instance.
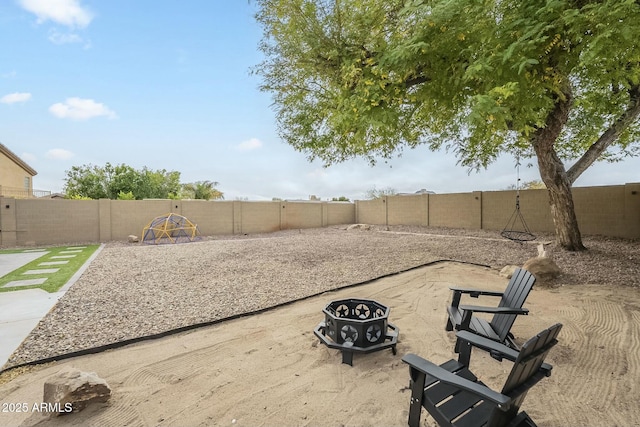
(605, 210)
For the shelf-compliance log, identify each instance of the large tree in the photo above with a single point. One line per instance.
(552, 79)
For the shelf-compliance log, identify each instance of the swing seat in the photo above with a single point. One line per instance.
(518, 236)
(517, 232)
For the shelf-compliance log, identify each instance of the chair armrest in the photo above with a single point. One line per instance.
(488, 345)
(497, 350)
(433, 370)
(494, 310)
(475, 293)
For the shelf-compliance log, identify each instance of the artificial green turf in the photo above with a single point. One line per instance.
(54, 280)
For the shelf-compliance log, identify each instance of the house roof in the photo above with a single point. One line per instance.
(17, 160)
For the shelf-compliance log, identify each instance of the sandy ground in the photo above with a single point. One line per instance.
(270, 370)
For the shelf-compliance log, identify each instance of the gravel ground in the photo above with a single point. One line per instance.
(133, 290)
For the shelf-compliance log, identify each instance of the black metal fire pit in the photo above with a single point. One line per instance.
(357, 325)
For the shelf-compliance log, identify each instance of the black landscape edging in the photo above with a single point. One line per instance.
(119, 344)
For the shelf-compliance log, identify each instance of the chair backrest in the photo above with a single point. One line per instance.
(530, 358)
(514, 296)
(526, 370)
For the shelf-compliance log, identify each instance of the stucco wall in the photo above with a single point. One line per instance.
(12, 176)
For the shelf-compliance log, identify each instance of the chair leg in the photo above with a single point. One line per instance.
(417, 390)
(463, 348)
(449, 326)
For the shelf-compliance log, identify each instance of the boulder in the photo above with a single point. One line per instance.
(508, 270)
(71, 390)
(543, 268)
(133, 239)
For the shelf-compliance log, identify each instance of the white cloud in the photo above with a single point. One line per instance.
(57, 37)
(59, 154)
(249, 145)
(66, 12)
(12, 98)
(81, 109)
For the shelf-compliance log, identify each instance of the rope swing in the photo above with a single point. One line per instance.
(517, 229)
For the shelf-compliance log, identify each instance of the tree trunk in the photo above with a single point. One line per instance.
(560, 200)
(556, 179)
(559, 181)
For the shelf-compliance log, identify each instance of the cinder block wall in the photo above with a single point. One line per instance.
(8, 229)
(372, 211)
(463, 210)
(213, 218)
(632, 210)
(130, 216)
(499, 206)
(56, 221)
(339, 213)
(301, 215)
(408, 210)
(607, 210)
(257, 217)
(610, 210)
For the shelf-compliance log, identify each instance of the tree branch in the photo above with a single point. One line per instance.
(416, 81)
(608, 137)
(545, 137)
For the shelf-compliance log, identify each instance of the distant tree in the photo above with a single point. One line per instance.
(111, 182)
(123, 179)
(76, 197)
(202, 190)
(536, 184)
(86, 181)
(276, 199)
(160, 184)
(126, 196)
(340, 199)
(375, 193)
(557, 80)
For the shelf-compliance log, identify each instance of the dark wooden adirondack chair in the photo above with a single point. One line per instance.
(504, 315)
(454, 396)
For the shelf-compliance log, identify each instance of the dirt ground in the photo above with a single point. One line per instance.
(269, 369)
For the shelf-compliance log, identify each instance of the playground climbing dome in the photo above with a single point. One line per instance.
(170, 228)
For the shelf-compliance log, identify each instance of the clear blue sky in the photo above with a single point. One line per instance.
(166, 85)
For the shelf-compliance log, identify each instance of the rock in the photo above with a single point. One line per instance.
(541, 252)
(544, 269)
(133, 238)
(508, 270)
(359, 227)
(71, 390)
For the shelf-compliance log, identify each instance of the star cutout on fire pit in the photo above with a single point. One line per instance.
(342, 311)
(374, 332)
(349, 333)
(362, 311)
